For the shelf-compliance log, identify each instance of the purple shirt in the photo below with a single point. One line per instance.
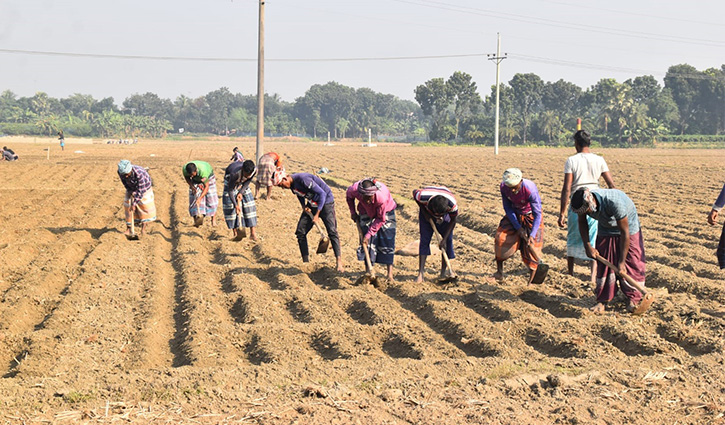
(137, 183)
(526, 201)
(381, 204)
(310, 188)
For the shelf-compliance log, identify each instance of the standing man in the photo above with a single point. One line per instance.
(619, 240)
(62, 140)
(317, 204)
(581, 170)
(203, 197)
(436, 203)
(712, 219)
(138, 204)
(236, 155)
(238, 204)
(375, 215)
(522, 226)
(268, 164)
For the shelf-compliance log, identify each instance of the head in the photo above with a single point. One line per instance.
(512, 178)
(582, 139)
(277, 176)
(236, 148)
(247, 168)
(583, 201)
(5, 148)
(286, 182)
(438, 205)
(367, 189)
(191, 169)
(124, 167)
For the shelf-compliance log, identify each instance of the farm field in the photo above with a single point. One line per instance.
(188, 326)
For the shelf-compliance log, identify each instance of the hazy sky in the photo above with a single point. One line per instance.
(311, 42)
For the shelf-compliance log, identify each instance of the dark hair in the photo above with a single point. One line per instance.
(190, 168)
(235, 149)
(582, 138)
(248, 166)
(438, 204)
(368, 183)
(577, 199)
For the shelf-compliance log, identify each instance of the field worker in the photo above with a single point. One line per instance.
(238, 204)
(61, 138)
(436, 203)
(317, 204)
(522, 225)
(8, 154)
(375, 215)
(581, 170)
(236, 155)
(138, 204)
(619, 240)
(268, 164)
(203, 197)
(712, 219)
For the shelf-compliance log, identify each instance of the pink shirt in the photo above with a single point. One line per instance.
(381, 204)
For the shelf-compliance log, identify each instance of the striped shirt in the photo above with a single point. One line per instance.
(138, 182)
(614, 205)
(424, 195)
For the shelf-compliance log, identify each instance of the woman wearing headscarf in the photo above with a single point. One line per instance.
(522, 226)
(138, 204)
(375, 214)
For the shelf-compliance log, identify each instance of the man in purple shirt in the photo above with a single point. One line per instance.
(375, 215)
(712, 219)
(521, 227)
(317, 203)
(139, 200)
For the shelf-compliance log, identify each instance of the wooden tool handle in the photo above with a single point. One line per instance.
(438, 238)
(622, 273)
(365, 251)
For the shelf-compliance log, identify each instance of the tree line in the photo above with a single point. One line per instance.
(635, 112)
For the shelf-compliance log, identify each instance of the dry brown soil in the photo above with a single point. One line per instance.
(188, 326)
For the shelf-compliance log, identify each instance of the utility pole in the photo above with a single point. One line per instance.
(260, 83)
(498, 58)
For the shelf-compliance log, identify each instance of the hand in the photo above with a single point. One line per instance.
(712, 217)
(562, 220)
(315, 219)
(522, 233)
(622, 266)
(530, 241)
(366, 241)
(442, 245)
(355, 217)
(198, 202)
(591, 251)
(239, 209)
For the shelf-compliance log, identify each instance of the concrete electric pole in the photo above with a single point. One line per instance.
(498, 58)
(260, 83)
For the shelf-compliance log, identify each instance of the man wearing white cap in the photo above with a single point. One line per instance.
(138, 203)
(522, 226)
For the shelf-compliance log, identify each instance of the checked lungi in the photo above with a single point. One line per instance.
(145, 209)
(608, 247)
(426, 233)
(248, 217)
(209, 203)
(574, 242)
(265, 168)
(382, 244)
(508, 241)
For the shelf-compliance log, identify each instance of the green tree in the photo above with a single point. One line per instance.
(527, 91)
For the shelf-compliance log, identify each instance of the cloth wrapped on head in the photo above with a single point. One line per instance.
(124, 166)
(367, 191)
(582, 201)
(277, 176)
(512, 177)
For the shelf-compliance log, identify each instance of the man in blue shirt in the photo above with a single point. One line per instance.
(317, 203)
(619, 240)
(712, 219)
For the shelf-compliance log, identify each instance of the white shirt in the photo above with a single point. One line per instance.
(585, 168)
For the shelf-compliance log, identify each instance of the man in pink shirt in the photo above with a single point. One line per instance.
(375, 214)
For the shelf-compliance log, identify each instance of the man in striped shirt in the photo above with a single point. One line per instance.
(139, 200)
(436, 204)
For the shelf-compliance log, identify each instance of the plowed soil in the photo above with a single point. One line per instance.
(188, 326)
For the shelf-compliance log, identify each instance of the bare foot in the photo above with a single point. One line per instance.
(390, 278)
(340, 269)
(598, 309)
(498, 276)
(631, 307)
(419, 279)
(128, 231)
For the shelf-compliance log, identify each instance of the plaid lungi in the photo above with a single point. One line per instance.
(609, 248)
(574, 242)
(382, 244)
(248, 218)
(209, 203)
(507, 241)
(145, 210)
(265, 168)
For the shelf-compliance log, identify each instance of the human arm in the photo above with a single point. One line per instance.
(535, 202)
(716, 207)
(608, 179)
(350, 198)
(565, 193)
(584, 233)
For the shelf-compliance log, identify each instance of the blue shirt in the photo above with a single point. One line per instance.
(614, 205)
(310, 188)
(720, 201)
